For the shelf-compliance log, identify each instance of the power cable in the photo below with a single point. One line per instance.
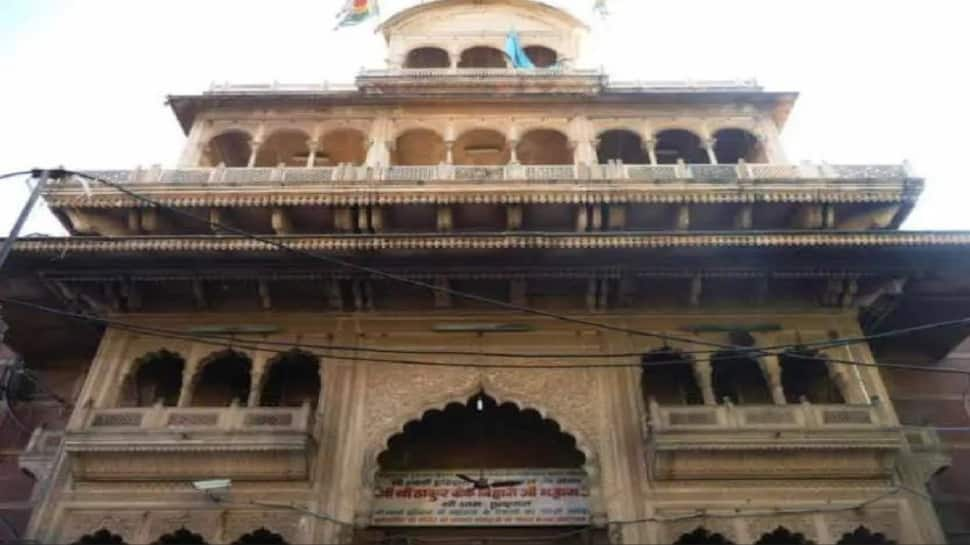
(260, 346)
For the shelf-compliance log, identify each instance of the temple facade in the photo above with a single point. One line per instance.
(461, 301)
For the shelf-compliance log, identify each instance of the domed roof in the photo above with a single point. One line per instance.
(538, 9)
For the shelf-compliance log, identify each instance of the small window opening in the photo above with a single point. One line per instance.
(157, 377)
(668, 377)
(427, 57)
(622, 145)
(677, 144)
(738, 377)
(226, 377)
(293, 378)
(805, 374)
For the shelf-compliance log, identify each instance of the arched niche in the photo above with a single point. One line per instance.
(805, 375)
(231, 149)
(481, 147)
(702, 536)
(342, 146)
(427, 57)
(621, 145)
(864, 536)
(418, 147)
(679, 144)
(482, 57)
(261, 536)
(544, 147)
(542, 56)
(182, 536)
(286, 147)
(222, 378)
(292, 379)
(667, 376)
(101, 537)
(733, 145)
(739, 378)
(156, 376)
(783, 536)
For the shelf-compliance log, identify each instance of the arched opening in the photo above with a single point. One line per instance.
(427, 57)
(101, 537)
(738, 377)
(621, 145)
(732, 145)
(864, 536)
(479, 470)
(805, 374)
(544, 147)
(419, 147)
(702, 536)
(182, 536)
(783, 536)
(482, 57)
(541, 56)
(342, 146)
(287, 147)
(223, 377)
(674, 144)
(156, 377)
(293, 378)
(230, 149)
(668, 377)
(481, 147)
(261, 536)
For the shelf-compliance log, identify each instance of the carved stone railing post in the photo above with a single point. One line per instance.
(771, 367)
(703, 373)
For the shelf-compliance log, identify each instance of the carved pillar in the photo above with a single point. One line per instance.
(744, 219)
(513, 217)
(513, 151)
(582, 218)
(255, 151)
(772, 370)
(616, 217)
(709, 147)
(650, 146)
(188, 382)
(450, 152)
(703, 373)
(444, 218)
(312, 155)
(376, 219)
(682, 219)
(256, 374)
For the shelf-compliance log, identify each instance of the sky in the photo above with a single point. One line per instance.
(85, 81)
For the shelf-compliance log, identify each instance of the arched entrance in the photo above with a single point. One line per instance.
(481, 471)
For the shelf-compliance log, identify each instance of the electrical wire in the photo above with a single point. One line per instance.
(260, 346)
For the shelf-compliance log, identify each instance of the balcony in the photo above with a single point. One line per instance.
(481, 80)
(802, 441)
(166, 443)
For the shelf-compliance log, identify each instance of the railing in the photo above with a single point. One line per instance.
(232, 418)
(277, 87)
(610, 173)
(683, 85)
(422, 73)
(665, 418)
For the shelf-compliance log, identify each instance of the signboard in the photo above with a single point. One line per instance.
(545, 497)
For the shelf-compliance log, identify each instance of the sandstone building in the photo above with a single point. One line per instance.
(651, 351)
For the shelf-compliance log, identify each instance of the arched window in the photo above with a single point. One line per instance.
(805, 374)
(674, 144)
(231, 149)
(622, 145)
(732, 145)
(223, 377)
(101, 537)
(544, 147)
(287, 147)
(668, 377)
(702, 536)
(738, 377)
(427, 57)
(542, 57)
(482, 57)
(783, 536)
(156, 376)
(342, 146)
(419, 147)
(294, 377)
(261, 536)
(182, 536)
(864, 536)
(481, 147)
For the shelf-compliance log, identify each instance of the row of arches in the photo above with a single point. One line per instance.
(783, 536)
(672, 378)
(289, 380)
(481, 146)
(182, 536)
(475, 57)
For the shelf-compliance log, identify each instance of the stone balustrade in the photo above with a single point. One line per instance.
(620, 173)
(803, 416)
(232, 418)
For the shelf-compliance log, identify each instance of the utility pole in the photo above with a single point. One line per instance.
(42, 177)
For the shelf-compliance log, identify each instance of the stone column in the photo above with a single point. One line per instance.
(255, 151)
(709, 146)
(703, 374)
(312, 156)
(256, 373)
(513, 152)
(772, 370)
(450, 152)
(188, 382)
(650, 146)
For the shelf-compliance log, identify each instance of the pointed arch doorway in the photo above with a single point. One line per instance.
(481, 472)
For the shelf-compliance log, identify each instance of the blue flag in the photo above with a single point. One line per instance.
(513, 48)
